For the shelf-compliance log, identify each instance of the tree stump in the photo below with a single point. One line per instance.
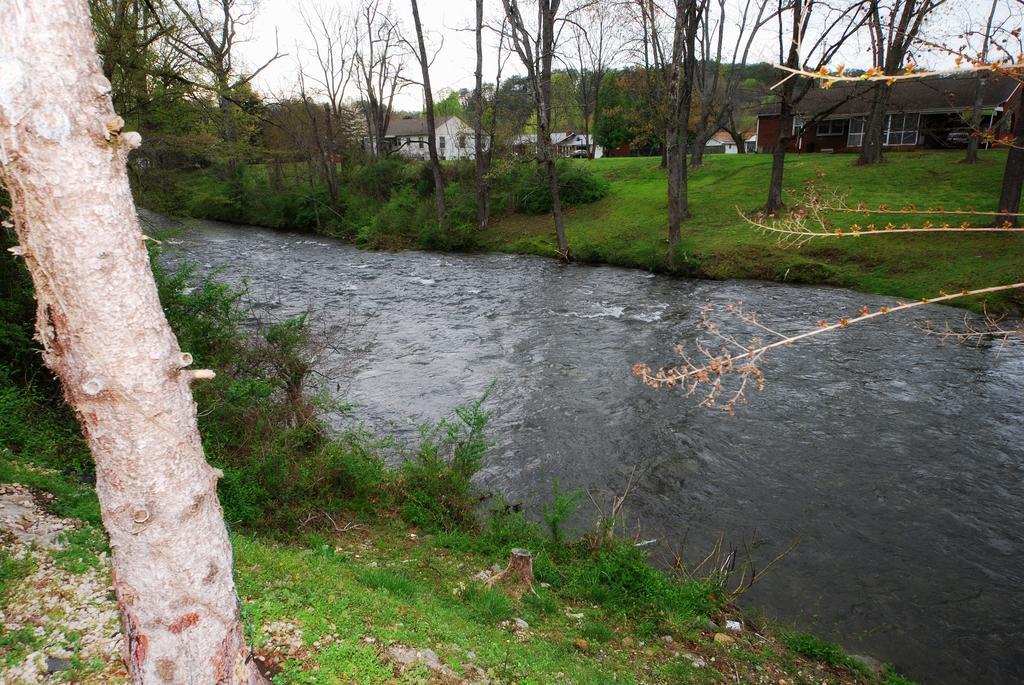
(517, 577)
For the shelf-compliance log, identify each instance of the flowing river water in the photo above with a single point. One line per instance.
(895, 462)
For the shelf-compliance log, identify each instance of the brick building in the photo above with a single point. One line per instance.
(926, 113)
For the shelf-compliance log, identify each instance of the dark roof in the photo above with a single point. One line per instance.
(950, 93)
(411, 126)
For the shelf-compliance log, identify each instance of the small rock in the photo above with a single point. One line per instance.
(872, 664)
(627, 642)
(56, 665)
(572, 615)
(545, 585)
(723, 639)
(582, 645)
(734, 626)
(666, 639)
(370, 640)
(695, 661)
(496, 568)
(712, 626)
(520, 623)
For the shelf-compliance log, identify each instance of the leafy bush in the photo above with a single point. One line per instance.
(528, 185)
(398, 223)
(378, 179)
(435, 487)
(563, 505)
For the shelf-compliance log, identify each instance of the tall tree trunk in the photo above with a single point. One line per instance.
(1013, 176)
(697, 152)
(482, 184)
(775, 202)
(971, 156)
(330, 163)
(680, 95)
(104, 334)
(547, 54)
(979, 93)
(871, 146)
(428, 97)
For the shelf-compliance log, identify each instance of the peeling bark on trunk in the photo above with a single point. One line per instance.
(103, 332)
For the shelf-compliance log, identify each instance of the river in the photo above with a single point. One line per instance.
(895, 462)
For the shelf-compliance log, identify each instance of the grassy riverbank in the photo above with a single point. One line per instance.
(629, 226)
(619, 217)
(362, 602)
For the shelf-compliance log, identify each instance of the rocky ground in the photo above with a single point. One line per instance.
(347, 615)
(59, 617)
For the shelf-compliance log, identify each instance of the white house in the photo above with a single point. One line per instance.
(565, 143)
(407, 137)
(721, 142)
(575, 145)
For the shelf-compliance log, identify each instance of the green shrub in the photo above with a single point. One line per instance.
(618, 575)
(577, 185)
(563, 505)
(814, 648)
(435, 486)
(399, 223)
(378, 179)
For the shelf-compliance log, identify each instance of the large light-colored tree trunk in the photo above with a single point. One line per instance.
(103, 332)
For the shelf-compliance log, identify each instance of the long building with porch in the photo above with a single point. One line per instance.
(927, 113)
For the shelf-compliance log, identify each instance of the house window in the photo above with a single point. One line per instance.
(441, 141)
(855, 137)
(830, 127)
(901, 129)
(462, 141)
(421, 144)
(798, 125)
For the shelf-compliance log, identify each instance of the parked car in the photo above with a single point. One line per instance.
(959, 137)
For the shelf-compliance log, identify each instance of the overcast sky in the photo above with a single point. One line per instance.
(452, 21)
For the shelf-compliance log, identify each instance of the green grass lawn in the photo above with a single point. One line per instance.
(629, 227)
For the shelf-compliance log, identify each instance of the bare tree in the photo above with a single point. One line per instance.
(719, 73)
(483, 194)
(649, 52)
(104, 334)
(333, 38)
(483, 105)
(208, 40)
(971, 156)
(380, 59)
(893, 28)
(536, 49)
(428, 99)
(688, 18)
(836, 28)
(595, 44)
